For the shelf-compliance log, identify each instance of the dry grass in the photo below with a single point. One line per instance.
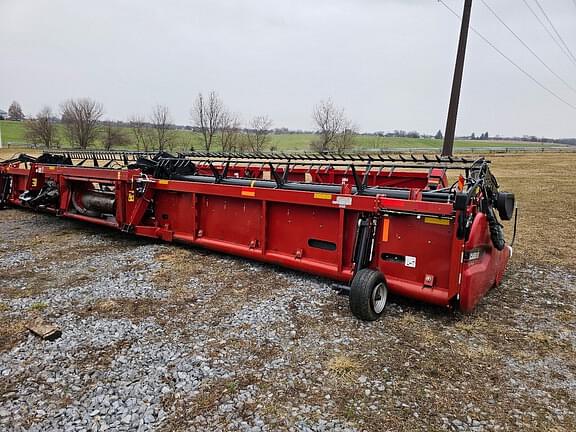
(100, 358)
(544, 185)
(344, 366)
(8, 153)
(12, 332)
(178, 266)
(209, 398)
(38, 306)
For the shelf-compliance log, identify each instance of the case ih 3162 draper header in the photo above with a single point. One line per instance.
(378, 223)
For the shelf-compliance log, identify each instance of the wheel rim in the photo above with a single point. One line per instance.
(379, 296)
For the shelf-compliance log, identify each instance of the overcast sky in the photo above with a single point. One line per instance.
(388, 63)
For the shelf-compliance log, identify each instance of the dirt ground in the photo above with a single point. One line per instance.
(212, 342)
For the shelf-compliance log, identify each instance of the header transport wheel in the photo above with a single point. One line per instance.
(368, 295)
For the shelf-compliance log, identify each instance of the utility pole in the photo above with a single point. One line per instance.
(448, 146)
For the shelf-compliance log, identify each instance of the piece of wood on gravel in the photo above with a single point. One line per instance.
(44, 330)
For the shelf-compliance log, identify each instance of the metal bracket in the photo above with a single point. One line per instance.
(279, 180)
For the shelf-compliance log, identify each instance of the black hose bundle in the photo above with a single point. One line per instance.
(496, 231)
(50, 159)
(47, 195)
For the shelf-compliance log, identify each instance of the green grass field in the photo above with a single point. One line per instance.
(13, 134)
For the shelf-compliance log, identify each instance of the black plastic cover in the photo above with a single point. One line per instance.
(505, 203)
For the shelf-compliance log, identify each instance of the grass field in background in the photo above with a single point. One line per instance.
(13, 133)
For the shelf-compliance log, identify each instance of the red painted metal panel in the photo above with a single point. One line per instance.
(417, 246)
(481, 274)
(233, 220)
(294, 230)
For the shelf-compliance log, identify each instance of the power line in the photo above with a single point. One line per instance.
(545, 27)
(510, 60)
(527, 47)
(554, 28)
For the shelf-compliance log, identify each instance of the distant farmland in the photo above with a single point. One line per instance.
(13, 134)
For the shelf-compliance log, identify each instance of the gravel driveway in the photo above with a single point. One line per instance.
(166, 337)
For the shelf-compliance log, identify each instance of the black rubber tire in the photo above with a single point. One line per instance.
(363, 284)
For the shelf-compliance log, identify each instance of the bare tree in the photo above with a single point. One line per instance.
(207, 116)
(42, 129)
(113, 137)
(346, 138)
(230, 136)
(142, 133)
(259, 133)
(15, 112)
(334, 129)
(163, 128)
(81, 120)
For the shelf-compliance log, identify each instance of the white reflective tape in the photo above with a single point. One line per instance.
(343, 201)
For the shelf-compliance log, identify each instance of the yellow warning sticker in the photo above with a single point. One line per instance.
(323, 196)
(248, 193)
(164, 182)
(51, 168)
(34, 182)
(436, 221)
(130, 196)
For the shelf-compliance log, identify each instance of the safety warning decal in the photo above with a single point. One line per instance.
(410, 261)
(323, 196)
(248, 193)
(343, 201)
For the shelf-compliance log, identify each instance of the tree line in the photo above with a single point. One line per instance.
(218, 127)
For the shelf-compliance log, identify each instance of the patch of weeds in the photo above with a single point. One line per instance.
(350, 412)
(38, 306)
(541, 337)
(566, 316)
(273, 410)
(12, 332)
(409, 318)
(100, 358)
(468, 326)
(206, 401)
(344, 366)
(232, 387)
